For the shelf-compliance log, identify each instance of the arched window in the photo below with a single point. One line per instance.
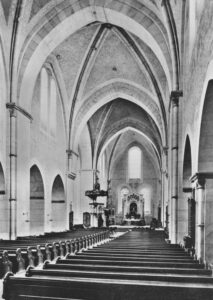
(53, 103)
(44, 97)
(134, 163)
(48, 101)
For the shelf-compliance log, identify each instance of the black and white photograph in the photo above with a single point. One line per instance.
(106, 149)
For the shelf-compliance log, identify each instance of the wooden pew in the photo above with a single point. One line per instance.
(34, 254)
(88, 275)
(126, 268)
(142, 276)
(16, 288)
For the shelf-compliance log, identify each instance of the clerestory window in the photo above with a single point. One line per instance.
(48, 102)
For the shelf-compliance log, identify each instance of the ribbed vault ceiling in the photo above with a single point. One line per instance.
(115, 62)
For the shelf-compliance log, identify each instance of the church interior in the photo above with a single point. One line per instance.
(106, 149)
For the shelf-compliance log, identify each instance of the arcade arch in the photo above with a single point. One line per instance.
(58, 205)
(36, 201)
(187, 163)
(205, 174)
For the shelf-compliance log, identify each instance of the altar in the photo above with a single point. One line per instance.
(133, 208)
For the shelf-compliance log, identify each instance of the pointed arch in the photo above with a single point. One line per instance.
(110, 91)
(58, 205)
(187, 163)
(205, 161)
(205, 155)
(36, 201)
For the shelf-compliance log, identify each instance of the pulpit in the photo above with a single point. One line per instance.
(96, 214)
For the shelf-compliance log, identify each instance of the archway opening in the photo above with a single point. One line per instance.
(36, 201)
(205, 165)
(205, 160)
(189, 213)
(58, 205)
(187, 164)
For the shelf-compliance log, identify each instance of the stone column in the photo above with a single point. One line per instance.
(71, 175)
(174, 164)
(13, 163)
(164, 197)
(13, 110)
(184, 219)
(164, 183)
(199, 181)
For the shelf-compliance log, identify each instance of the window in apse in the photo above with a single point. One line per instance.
(134, 163)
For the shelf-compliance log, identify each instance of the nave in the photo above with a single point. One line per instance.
(106, 120)
(136, 264)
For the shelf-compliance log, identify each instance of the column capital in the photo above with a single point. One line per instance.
(187, 189)
(174, 97)
(165, 150)
(70, 152)
(200, 178)
(13, 108)
(71, 175)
